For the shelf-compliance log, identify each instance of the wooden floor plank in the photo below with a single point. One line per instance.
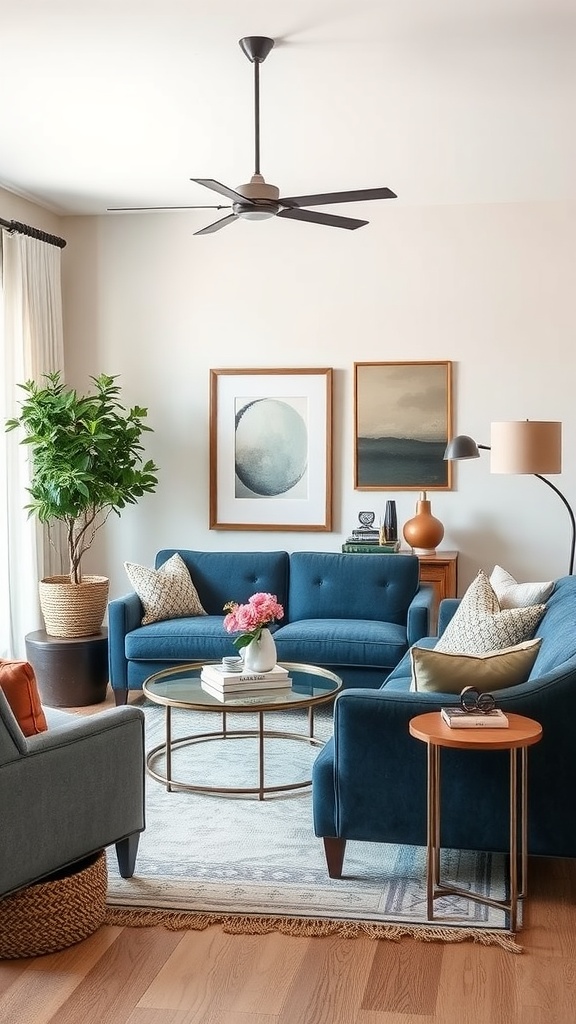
(46, 982)
(276, 960)
(477, 985)
(404, 978)
(329, 986)
(113, 987)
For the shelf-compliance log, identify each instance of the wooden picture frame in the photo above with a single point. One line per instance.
(271, 449)
(403, 421)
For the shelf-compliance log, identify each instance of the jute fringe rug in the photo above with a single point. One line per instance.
(237, 924)
(253, 867)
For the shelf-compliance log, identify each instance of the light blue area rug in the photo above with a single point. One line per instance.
(256, 865)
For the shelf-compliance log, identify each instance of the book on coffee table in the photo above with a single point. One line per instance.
(219, 678)
(253, 695)
(457, 718)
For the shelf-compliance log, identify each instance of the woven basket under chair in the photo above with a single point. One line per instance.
(55, 913)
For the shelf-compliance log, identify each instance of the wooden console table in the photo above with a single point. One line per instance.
(441, 570)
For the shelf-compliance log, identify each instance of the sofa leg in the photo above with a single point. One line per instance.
(121, 697)
(126, 850)
(334, 850)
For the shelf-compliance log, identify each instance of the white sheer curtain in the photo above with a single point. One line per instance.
(31, 343)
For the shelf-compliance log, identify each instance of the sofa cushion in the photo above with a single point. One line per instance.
(512, 594)
(328, 585)
(18, 682)
(342, 642)
(202, 638)
(479, 625)
(223, 576)
(443, 672)
(167, 592)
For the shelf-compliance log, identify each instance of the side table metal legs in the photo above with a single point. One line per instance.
(518, 809)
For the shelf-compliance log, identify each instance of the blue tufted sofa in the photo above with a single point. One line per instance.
(369, 781)
(353, 614)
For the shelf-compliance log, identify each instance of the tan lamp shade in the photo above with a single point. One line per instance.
(526, 446)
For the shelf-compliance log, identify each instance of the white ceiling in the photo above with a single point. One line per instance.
(119, 102)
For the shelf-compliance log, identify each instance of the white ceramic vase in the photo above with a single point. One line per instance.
(260, 655)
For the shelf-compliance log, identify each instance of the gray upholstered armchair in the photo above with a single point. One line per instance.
(69, 792)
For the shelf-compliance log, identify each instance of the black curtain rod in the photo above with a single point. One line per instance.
(25, 229)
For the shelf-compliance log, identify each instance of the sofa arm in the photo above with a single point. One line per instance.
(446, 610)
(124, 615)
(362, 777)
(419, 614)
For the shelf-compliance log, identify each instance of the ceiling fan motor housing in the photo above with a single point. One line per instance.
(260, 193)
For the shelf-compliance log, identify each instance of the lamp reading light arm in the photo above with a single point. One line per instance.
(455, 451)
(564, 500)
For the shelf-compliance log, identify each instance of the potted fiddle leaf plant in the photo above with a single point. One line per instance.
(86, 462)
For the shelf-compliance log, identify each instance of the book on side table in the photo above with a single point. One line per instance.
(457, 718)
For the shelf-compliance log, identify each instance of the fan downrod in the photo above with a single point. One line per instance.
(256, 48)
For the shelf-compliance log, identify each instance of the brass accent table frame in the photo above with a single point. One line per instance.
(521, 733)
(179, 687)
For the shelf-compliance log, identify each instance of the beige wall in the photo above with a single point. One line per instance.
(488, 287)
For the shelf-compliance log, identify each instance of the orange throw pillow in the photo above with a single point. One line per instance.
(18, 682)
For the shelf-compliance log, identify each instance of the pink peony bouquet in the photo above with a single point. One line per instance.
(250, 619)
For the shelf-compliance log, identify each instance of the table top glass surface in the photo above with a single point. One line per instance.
(180, 687)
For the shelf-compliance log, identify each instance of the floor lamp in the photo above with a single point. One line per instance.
(521, 446)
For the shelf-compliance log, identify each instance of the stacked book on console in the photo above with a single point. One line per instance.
(355, 547)
(217, 681)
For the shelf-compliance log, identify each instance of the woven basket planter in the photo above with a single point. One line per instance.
(54, 914)
(73, 609)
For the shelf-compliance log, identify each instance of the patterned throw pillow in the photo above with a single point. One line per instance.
(442, 672)
(479, 625)
(167, 592)
(512, 594)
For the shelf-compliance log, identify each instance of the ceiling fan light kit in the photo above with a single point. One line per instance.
(257, 199)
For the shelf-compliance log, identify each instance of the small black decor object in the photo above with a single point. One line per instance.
(390, 522)
(366, 520)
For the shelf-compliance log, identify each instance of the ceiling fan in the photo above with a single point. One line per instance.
(257, 200)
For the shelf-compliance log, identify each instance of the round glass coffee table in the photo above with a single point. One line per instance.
(180, 687)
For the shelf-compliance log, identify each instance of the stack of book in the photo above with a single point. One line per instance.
(220, 683)
(457, 718)
(364, 535)
(354, 546)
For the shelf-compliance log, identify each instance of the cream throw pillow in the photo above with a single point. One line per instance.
(167, 592)
(479, 625)
(512, 594)
(438, 672)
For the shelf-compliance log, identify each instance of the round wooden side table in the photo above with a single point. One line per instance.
(71, 673)
(521, 733)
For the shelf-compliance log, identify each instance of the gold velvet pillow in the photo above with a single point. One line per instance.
(444, 672)
(18, 682)
(167, 592)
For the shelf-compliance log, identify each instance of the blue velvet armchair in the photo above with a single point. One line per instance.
(369, 781)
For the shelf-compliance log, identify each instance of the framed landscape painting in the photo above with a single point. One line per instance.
(403, 420)
(271, 449)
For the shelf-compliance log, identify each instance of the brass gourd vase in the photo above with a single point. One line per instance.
(423, 532)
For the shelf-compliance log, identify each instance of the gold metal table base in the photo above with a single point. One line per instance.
(518, 840)
(520, 733)
(224, 733)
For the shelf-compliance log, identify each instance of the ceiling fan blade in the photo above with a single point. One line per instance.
(324, 198)
(133, 209)
(322, 218)
(222, 189)
(217, 224)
